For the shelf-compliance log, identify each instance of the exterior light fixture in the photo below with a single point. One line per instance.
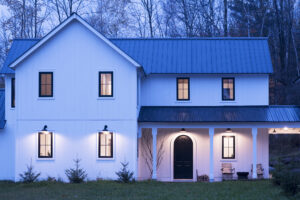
(274, 131)
(183, 130)
(105, 130)
(45, 129)
(228, 130)
(285, 128)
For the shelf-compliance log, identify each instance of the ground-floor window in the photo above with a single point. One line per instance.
(45, 144)
(228, 147)
(105, 144)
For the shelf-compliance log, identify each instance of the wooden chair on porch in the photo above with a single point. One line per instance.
(227, 171)
(259, 170)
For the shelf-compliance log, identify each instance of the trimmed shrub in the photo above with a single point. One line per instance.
(29, 176)
(289, 183)
(77, 174)
(125, 176)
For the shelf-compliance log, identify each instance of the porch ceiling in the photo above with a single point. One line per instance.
(219, 114)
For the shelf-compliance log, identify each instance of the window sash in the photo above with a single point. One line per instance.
(105, 84)
(183, 89)
(105, 145)
(228, 147)
(13, 92)
(45, 145)
(228, 89)
(46, 84)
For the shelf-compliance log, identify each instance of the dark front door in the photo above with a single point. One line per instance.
(183, 158)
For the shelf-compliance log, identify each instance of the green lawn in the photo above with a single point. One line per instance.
(103, 190)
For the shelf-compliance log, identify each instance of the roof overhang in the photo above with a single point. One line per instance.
(73, 17)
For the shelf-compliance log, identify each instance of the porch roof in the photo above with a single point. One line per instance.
(219, 114)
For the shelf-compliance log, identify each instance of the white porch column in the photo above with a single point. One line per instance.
(254, 142)
(154, 134)
(211, 154)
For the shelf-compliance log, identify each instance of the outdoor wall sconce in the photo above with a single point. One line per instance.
(45, 129)
(183, 130)
(105, 130)
(274, 131)
(228, 130)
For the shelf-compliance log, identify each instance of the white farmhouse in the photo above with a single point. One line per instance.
(198, 106)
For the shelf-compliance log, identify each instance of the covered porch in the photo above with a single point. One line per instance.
(184, 149)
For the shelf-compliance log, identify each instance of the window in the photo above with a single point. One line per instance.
(228, 147)
(105, 144)
(228, 89)
(13, 93)
(105, 84)
(45, 144)
(183, 89)
(46, 84)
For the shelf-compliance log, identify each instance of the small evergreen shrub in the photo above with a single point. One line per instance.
(77, 174)
(29, 176)
(125, 176)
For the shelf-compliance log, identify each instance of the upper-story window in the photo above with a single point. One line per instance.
(13, 92)
(183, 89)
(228, 89)
(45, 144)
(105, 84)
(228, 147)
(46, 84)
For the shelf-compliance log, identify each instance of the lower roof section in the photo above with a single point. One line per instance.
(219, 114)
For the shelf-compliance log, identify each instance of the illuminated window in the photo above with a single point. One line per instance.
(183, 89)
(46, 84)
(13, 92)
(45, 144)
(105, 144)
(105, 84)
(228, 147)
(228, 89)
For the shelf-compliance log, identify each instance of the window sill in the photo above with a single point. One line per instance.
(183, 101)
(45, 98)
(45, 159)
(229, 102)
(228, 160)
(106, 98)
(106, 159)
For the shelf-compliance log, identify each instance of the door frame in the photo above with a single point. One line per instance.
(175, 135)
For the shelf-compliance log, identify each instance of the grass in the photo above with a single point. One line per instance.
(104, 190)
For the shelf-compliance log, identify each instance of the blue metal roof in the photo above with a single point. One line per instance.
(18, 48)
(2, 108)
(183, 55)
(200, 55)
(219, 114)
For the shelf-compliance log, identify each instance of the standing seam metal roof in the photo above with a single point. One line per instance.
(219, 114)
(183, 55)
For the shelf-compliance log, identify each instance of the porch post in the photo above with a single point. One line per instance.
(154, 134)
(211, 154)
(254, 138)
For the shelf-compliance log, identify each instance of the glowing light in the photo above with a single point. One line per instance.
(228, 130)
(182, 130)
(285, 128)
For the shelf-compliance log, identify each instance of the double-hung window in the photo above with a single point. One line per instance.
(105, 144)
(46, 84)
(45, 144)
(13, 92)
(183, 89)
(228, 147)
(105, 84)
(228, 93)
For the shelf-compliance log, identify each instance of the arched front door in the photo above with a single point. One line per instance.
(183, 158)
